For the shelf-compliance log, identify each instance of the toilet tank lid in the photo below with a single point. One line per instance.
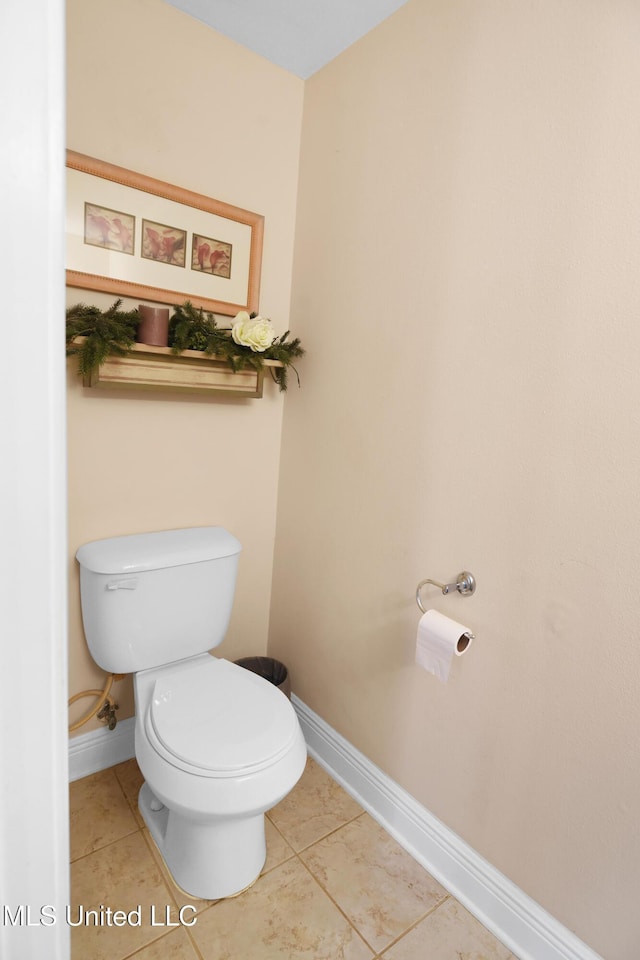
(153, 551)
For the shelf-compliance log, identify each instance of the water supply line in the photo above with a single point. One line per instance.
(105, 708)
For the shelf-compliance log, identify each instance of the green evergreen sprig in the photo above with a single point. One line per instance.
(105, 332)
(285, 351)
(191, 328)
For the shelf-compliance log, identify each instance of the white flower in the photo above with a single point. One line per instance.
(254, 332)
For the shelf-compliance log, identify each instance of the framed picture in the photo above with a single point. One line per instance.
(211, 255)
(109, 229)
(126, 233)
(163, 243)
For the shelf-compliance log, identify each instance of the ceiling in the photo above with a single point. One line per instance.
(299, 35)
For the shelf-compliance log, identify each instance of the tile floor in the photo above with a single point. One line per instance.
(335, 887)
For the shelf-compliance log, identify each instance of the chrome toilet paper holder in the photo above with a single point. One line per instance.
(465, 584)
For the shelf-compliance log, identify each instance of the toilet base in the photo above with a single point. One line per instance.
(209, 859)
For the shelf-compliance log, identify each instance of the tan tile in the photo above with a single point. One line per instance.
(173, 946)
(122, 876)
(98, 813)
(316, 806)
(450, 931)
(381, 889)
(130, 779)
(278, 850)
(284, 915)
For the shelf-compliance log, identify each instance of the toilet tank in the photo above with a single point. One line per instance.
(153, 598)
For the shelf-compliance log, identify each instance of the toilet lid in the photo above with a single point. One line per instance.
(221, 717)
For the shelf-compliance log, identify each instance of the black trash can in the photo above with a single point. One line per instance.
(272, 670)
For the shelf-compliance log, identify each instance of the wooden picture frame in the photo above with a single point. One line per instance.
(108, 267)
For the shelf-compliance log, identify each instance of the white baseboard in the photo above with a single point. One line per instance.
(514, 918)
(99, 749)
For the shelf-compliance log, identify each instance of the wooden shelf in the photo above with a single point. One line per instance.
(157, 368)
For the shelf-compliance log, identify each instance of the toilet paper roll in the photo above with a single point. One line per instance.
(439, 640)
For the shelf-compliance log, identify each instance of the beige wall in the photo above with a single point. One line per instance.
(466, 282)
(154, 91)
(466, 286)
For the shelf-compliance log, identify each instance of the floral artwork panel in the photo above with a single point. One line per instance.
(211, 256)
(109, 229)
(164, 244)
(177, 215)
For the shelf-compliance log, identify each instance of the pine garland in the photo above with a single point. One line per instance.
(191, 328)
(106, 332)
(113, 332)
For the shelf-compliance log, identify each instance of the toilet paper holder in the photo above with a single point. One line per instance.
(465, 584)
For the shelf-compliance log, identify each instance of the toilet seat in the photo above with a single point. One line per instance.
(216, 719)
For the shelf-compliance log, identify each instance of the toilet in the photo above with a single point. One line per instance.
(217, 745)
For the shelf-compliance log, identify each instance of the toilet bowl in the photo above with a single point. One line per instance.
(217, 745)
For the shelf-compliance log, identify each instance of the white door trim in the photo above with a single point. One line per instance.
(34, 834)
